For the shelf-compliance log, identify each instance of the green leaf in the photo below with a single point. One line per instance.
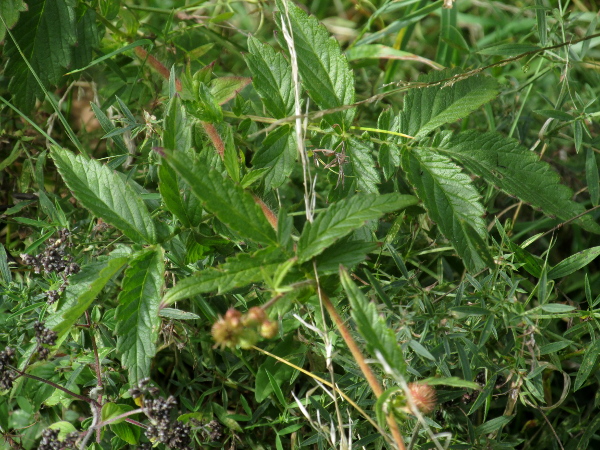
(109, 128)
(492, 425)
(177, 131)
(46, 34)
(288, 349)
(271, 77)
(587, 365)
(235, 272)
(420, 350)
(426, 109)
(508, 49)
(342, 217)
(345, 252)
(224, 89)
(185, 207)
(573, 263)
(137, 314)
(371, 326)
(360, 154)
(325, 72)
(452, 202)
(591, 175)
(83, 288)
(278, 154)
(450, 381)
(221, 196)
(517, 171)
(378, 51)
(9, 11)
(4, 269)
(557, 308)
(106, 195)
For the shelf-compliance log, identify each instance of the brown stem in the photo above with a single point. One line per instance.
(270, 215)
(362, 364)
(215, 137)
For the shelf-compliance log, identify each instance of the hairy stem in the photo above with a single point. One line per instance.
(362, 364)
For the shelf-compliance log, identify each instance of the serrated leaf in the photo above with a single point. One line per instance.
(377, 335)
(238, 271)
(87, 35)
(342, 217)
(45, 33)
(224, 89)
(106, 195)
(517, 171)
(137, 318)
(426, 109)
(587, 365)
(9, 10)
(325, 72)
(227, 200)
(278, 154)
(364, 173)
(271, 77)
(84, 287)
(177, 131)
(177, 198)
(452, 202)
(344, 252)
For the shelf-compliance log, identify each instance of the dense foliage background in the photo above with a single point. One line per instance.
(298, 220)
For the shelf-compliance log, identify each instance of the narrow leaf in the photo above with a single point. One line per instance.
(369, 323)
(106, 195)
(221, 196)
(514, 169)
(378, 51)
(452, 202)
(343, 217)
(591, 175)
(137, 314)
(587, 365)
(426, 109)
(573, 263)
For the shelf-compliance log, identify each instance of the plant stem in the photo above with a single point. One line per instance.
(362, 364)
